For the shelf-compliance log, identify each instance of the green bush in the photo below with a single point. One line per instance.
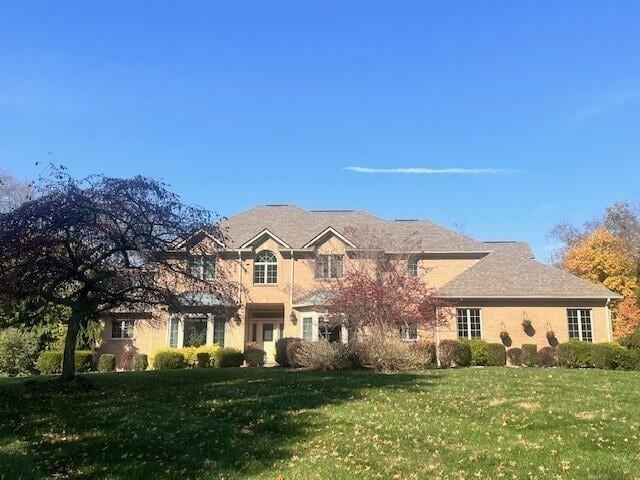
(631, 341)
(281, 350)
(169, 360)
(454, 354)
(228, 357)
(140, 362)
(254, 355)
(49, 362)
(18, 351)
(575, 354)
(628, 359)
(547, 357)
(612, 356)
(203, 359)
(83, 360)
(479, 356)
(529, 355)
(496, 355)
(107, 362)
(514, 355)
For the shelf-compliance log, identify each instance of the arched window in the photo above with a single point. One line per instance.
(412, 267)
(265, 268)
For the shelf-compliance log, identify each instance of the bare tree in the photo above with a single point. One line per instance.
(13, 192)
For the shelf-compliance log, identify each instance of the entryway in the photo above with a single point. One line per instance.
(265, 329)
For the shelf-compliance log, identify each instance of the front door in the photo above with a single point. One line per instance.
(269, 340)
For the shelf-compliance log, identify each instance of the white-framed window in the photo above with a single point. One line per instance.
(469, 323)
(121, 329)
(219, 324)
(412, 267)
(307, 329)
(174, 326)
(329, 266)
(409, 332)
(265, 268)
(193, 330)
(202, 267)
(579, 322)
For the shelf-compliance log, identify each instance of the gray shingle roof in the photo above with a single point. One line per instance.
(296, 227)
(511, 271)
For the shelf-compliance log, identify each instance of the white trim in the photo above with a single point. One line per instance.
(527, 297)
(608, 319)
(262, 233)
(332, 231)
(181, 244)
(467, 317)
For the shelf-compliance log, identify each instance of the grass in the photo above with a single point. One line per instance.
(273, 423)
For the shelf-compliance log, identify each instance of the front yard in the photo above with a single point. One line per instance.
(274, 423)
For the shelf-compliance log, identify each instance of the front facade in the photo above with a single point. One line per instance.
(282, 255)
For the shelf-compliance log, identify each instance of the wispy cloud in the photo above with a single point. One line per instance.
(608, 103)
(435, 171)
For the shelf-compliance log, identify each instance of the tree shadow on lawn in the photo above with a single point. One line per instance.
(174, 424)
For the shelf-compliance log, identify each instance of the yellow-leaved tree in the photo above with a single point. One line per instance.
(627, 318)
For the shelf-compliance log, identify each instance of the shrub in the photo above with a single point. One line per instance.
(83, 360)
(628, 359)
(18, 351)
(228, 357)
(49, 362)
(575, 354)
(282, 355)
(107, 362)
(514, 355)
(140, 362)
(322, 355)
(191, 353)
(203, 359)
(631, 341)
(385, 351)
(611, 356)
(254, 355)
(168, 359)
(529, 355)
(547, 357)
(454, 354)
(292, 351)
(496, 355)
(424, 352)
(478, 351)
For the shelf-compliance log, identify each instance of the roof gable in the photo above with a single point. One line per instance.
(326, 233)
(259, 238)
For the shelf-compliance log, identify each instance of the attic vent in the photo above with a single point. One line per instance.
(406, 220)
(332, 211)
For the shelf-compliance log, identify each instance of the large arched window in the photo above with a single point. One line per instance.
(265, 268)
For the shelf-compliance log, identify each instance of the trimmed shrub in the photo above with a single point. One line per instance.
(631, 341)
(514, 355)
(292, 352)
(628, 359)
(322, 355)
(611, 356)
(83, 360)
(254, 355)
(140, 362)
(424, 352)
(18, 351)
(168, 360)
(228, 357)
(282, 354)
(529, 355)
(496, 355)
(575, 354)
(454, 354)
(478, 352)
(203, 360)
(385, 351)
(191, 353)
(547, 357)
(49, 362)
(107, 362)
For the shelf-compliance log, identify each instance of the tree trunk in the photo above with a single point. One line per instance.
(68, 359)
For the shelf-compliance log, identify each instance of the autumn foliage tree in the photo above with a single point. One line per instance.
(627, 318)
(93, 245)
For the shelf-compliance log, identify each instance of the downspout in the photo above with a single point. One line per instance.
(436, 338)
(240, 276)
(291, 281)
(609, 324)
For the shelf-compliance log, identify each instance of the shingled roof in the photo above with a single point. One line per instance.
(510, 271)
(297, 227)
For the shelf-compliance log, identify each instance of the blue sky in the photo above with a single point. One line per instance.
(498, 117)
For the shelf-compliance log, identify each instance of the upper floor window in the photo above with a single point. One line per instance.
(412, 267)
(121, 329)
(580, 327)
(265, 268)
(329, 266)
(202, 267)
(409, 332)
(469, 325)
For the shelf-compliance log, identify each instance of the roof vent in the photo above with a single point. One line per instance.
(500, 241)
(277, 205)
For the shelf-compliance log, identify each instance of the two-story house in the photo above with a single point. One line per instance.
(280, 253)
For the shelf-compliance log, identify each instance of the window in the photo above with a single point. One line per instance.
(412, 267)
(469, 325)
(173, 332)
(219, 324)
(580, 328)
(122, 329)
(329, 266)
(307, 329)
(265, 268)
(254, 332)
(329, 332)
(409, 332)
(202, 267)
(195, 331)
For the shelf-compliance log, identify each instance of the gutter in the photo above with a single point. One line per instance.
(609, 321)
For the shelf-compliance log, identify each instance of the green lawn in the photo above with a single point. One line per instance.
(273, 423)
